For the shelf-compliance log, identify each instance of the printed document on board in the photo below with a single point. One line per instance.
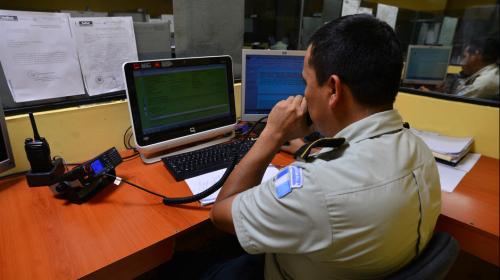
(104, 44)
(38, 55)
(387, 13)
(350, 7)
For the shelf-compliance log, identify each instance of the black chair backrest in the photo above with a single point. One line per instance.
(434, 262)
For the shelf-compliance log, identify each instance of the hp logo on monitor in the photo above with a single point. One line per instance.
(192, 130)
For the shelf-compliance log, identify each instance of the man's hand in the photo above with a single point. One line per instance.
(439, 88)
(287, 119)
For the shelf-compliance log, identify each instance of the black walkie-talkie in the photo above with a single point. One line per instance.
(38, 151)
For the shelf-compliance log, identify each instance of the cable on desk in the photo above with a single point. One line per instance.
(134, 185)
(205, 193)
(222, 180)
(126, 141)
(127, 158)
(128, 145)
(125, 138)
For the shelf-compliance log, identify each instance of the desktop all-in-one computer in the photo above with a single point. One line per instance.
(174, 102)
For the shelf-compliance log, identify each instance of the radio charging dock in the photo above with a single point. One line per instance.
(82, 182)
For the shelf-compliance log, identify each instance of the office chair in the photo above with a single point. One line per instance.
(434, 262)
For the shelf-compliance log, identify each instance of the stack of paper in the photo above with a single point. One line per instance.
(444, 148)
(200, 183)
(450, 176)
(451, 151)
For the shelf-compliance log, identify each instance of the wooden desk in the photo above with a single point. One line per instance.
(120, 233)
(123, 232)
(471, 212)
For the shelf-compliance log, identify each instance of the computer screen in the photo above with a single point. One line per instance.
(267, 77)
(426, 65)
(174, 102)
(6, 158)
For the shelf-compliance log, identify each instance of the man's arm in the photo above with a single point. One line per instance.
(248, 173)
(286, 121)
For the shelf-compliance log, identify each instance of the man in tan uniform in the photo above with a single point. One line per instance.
(361, 208)
(480, 70)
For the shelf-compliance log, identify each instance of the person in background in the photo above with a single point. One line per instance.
(362, 207)
(479, 76)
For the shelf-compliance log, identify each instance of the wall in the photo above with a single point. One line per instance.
(421, 5)
(154, 7)
(78, 134)
(434, 5)
(453, 119)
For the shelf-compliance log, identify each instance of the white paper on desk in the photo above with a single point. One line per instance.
(450, 176)
(38, 55)
(388, 14)
(200, 183)
(104, 44)
(468, 162)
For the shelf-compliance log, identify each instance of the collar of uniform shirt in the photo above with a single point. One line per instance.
(372, 126)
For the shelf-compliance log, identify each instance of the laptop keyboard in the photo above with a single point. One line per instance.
(194, 163)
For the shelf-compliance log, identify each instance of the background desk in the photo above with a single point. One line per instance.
(123, 232)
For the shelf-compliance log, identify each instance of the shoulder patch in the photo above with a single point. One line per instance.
(296, 177)
(287, 179)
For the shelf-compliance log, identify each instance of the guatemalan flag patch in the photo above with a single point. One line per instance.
(288, 178)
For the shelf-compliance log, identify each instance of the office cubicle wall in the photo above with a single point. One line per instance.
(224, 34)
(103, 125)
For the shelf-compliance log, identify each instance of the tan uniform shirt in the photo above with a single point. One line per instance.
(482, 84)
(362, 211)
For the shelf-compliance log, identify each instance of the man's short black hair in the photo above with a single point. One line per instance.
(364, 52)
(487, 47)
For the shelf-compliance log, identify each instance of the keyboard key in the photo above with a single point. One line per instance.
(194, 163)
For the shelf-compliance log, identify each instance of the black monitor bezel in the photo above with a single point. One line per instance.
(8, 162)
(158, 137)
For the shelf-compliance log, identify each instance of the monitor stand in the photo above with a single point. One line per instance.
(149, 158)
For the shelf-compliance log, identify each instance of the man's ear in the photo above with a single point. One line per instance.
(336, 91)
